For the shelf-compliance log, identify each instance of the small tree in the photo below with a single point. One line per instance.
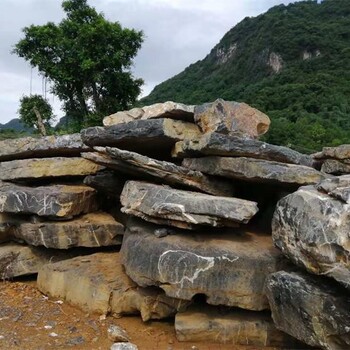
(35, 112)
(87, 60)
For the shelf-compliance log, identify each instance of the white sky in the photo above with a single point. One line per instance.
(177, 33)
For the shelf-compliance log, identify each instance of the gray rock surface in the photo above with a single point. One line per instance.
(215, 144)
(167, 109)
(41, 168)
(101, 286)
(312, 229)
(124, 346)
(255, 170)
(341, 152)
(48, 146)
(310, 309)
(56, 200)
(151, 137)
(90, 230)
(204, 323)
(229, 267)
(336, 167)
(117, 334)
(228, 117)
(136, 165)
(183, 209)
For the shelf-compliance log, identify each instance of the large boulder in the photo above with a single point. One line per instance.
(101, 285)
(204, 323)
(154, 137)
(336, 167)
(312, 229)
(62, 201)
(138, 166)
(90, 230)
(169, 109)
(229, 266)
(255, 170)
(41, 168)
(48, 146)
(310, 309)
(229, 117)
(215, 144)
(183, 209)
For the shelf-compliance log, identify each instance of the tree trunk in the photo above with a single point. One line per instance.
(41, 125)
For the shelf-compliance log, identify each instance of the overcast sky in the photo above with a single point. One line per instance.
(177, 33)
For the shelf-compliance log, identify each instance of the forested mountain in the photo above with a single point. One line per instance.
(293, 62)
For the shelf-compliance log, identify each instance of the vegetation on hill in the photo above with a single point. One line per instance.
(293, 62)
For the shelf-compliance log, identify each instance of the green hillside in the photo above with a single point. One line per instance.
(293, 62)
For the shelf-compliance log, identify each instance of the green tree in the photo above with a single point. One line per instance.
(87, 60)
(35, 112)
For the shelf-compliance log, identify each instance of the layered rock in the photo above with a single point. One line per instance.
(341, 153)
(204, 323)
(90, 230)
(167, 109)
(101, 285)
(228, 267)
(336, 167)
(215, 144)
(49, 146)
(152, 137)
(335, 160)
(183, 209)
(310, 309)
(255, 170)
(229, 117)
(41, 168)
(61, 201)
(139, 166)
(312, 229)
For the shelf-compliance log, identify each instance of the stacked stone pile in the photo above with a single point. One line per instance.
(196, 192)
(334, 160)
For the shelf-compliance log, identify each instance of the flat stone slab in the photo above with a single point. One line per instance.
(20, 260)
(310, 309)
(312, 229)
(146, 168)
(151, 137)
(101, 285)
(228, 267)
(228, 117)
(48, 146)
(41, 168)
(56, 200)
(90, 230)
(169, 109)
(336, 167)
(256, 170)
(341, 153)
(204, 323)
(215, 144)
(183, 209)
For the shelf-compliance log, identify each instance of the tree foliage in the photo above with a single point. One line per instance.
(308, 100)
(30, 106)
(87, 60)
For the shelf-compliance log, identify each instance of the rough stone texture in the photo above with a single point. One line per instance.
(163, 172)
(90, 230)
(167, 109)
(333, 183)
(215, 144)
(205, 323)
(46, 168)
(20, 260)
(341, 152)
(332, 166)
(229, 266)
(227, 117)
(48, 146)
(256, 170)
(124, 346)
(152, 137)
(117, 334)
(184, 209)
(8, 224)
(56, 200)
(310, 309)
(101, 285)
(312, 229)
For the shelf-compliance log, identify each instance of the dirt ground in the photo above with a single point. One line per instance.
(31, 321)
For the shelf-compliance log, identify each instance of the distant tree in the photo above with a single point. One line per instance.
(87, 60)
(35, 112)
